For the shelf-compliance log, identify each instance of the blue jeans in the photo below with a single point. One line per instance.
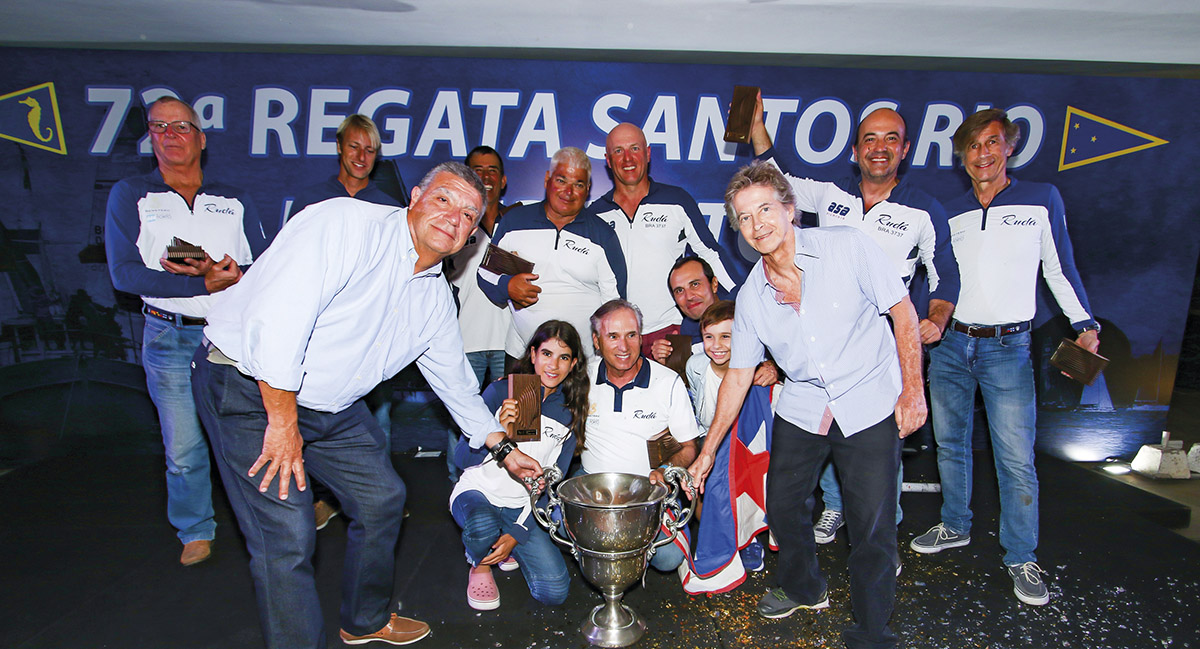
(488, 364)
(541, 562)
(167, 356)
(345, 452)
(867, 460)
(1002, 369)
(831, 491)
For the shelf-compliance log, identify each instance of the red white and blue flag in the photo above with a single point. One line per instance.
(735, 506)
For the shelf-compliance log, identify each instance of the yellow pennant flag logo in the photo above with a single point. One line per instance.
(31, 117)
(1089, 138)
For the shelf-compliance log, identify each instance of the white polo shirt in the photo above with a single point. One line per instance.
(620, 420)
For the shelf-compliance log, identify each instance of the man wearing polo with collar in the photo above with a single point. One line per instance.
(144, 214)
(632, 399)
(1003, 233)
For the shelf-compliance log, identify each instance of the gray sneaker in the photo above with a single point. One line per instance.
(938, 538)
(1027, 583)
(827, 526)
(776, 604)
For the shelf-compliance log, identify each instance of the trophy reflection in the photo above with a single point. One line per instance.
(611, 520)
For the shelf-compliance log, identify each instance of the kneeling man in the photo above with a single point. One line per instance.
(632, 399)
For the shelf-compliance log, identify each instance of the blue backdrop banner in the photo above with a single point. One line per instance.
(1121, 150)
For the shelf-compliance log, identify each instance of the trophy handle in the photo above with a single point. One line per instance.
(552, 474)
(674, 475)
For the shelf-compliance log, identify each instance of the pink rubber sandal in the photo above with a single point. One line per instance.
(509, 564)
(482, 593)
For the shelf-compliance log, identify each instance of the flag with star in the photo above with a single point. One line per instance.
(735, 505)
(1089, 138)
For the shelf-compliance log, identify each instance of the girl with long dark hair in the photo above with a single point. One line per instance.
(490, 506)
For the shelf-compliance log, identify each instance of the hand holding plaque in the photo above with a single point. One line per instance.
(681, 352)
(1078, 362)
(179, 250)
(741, 114)
(661, 447)
(503, 262)
(526, 390)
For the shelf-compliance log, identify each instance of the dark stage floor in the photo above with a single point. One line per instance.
(91, 562)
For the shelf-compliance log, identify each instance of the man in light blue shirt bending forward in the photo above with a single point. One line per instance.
(349, 294)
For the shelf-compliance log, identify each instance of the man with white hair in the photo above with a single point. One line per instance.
(144, 214)
(577, 260)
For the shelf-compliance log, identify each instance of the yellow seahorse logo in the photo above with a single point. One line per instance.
(35, 119)
(39, 106)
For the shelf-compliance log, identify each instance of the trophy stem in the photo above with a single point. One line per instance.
(612, 624)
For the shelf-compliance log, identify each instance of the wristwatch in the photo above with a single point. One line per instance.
(1091, 327)
(501, 450)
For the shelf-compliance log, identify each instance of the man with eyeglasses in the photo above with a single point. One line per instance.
(145, 214)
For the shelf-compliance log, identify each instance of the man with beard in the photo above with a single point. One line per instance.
(483, 323)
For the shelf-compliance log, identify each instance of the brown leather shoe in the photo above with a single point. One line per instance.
(322, 512)
(195, 551)
(398, 631)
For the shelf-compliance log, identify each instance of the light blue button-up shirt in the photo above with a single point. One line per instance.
(333, 308)
(836, 346)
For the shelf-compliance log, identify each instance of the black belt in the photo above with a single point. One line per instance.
(174, 318)
(990, 331)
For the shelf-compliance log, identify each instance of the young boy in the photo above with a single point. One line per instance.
(732, 517)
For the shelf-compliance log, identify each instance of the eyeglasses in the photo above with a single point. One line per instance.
(180, 127)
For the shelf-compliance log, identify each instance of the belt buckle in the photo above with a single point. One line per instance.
(976, 331)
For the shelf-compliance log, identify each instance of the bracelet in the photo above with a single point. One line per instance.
(664, 466)
(501, 450)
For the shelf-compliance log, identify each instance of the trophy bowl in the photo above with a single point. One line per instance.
(611, 520)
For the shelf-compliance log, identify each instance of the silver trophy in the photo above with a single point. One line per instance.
(611, 520)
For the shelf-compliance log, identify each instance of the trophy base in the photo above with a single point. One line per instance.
(621, 629)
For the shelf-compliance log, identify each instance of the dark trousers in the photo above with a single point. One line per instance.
(345, 451)
(866, 462)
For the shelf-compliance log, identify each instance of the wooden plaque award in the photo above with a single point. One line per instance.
(180, 250)
(661, 447)
(681, 351)
(503, 262)
(741, 114)
(1077, 362)
(527, 390)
